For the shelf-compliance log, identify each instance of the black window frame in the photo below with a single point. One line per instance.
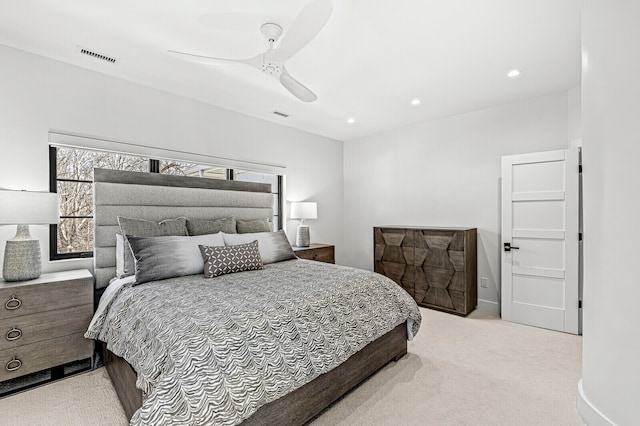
(154, 167)
(53, 229)
(279, 185)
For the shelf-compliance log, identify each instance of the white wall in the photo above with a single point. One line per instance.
(574, 118)
(610, 386)
(38, 94)
(446, 173)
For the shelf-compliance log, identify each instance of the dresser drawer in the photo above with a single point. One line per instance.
(28, 359)
(19, 300)
(323, 254)
(34, 328)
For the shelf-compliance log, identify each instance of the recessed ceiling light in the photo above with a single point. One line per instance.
(514, 73)
(415, 101)
(351, 120)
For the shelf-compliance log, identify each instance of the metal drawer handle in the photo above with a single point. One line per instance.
(14, 334)
(315, 255)
(13, 303)
(13, 365)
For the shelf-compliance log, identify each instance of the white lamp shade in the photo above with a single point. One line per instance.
(304, 210)
(29, 208)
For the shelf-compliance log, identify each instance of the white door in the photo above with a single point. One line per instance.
(540, 234)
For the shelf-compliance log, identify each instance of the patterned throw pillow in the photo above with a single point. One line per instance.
(227, 260)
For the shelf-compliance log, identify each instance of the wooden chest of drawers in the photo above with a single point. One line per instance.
(42, 322)
(437, 266)
(319, 252)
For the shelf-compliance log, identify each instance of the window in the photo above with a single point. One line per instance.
(276, 189)
(71, 176)
(189, 169)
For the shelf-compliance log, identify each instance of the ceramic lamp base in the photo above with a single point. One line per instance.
(303, 238)
(22, 259)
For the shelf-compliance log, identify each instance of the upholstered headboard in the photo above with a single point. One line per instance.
(156, 197)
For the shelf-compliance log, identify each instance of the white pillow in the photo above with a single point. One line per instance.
(273, 246)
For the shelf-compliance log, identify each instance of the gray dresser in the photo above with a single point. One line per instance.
(42, 322)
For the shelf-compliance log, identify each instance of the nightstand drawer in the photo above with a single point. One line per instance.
(22, 300)
(34, 328)
(320, 254)
(38, 356)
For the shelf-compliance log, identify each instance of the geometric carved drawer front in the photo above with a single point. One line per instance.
(394, 249)
(436, 266)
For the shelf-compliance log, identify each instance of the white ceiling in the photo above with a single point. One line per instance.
(370, 60)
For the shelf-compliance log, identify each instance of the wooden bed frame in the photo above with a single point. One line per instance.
(295, 408)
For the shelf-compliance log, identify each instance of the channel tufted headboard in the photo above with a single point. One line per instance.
(152, 196)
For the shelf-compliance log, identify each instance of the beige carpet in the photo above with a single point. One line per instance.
(477, 370)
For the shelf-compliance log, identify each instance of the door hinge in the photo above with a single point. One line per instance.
(579, 236)
(579, 304)
(579, 168)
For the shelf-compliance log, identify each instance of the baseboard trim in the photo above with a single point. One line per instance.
(589, 413)
(488, 306)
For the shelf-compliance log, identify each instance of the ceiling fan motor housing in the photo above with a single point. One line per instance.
(272, 32)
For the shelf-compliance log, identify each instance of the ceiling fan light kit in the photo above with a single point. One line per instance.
(304, 28)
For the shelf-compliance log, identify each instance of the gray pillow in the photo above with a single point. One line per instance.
(255, 225)
(202, 227)
(273, 246)
(228, 260)
(158, 258)
(143, 228)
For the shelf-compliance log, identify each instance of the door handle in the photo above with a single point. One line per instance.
(509, 247)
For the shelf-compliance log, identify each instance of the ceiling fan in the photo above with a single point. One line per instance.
(306, 26)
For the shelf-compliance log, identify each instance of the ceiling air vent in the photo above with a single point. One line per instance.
(96, 55)
(281, 114)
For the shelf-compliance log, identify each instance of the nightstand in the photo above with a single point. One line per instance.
(319, 252)
(42, 322)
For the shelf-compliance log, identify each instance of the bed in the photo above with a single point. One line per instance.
(333, 326)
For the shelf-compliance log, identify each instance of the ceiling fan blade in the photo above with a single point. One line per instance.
(256, 61)
(307, 25)
(203, 58)
(296, 88)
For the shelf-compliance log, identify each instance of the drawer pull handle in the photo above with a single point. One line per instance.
(14, 334)
(315, 255)
(13, 303)
(13, 365)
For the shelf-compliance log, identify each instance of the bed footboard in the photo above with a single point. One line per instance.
(304, 403)
(299, 406)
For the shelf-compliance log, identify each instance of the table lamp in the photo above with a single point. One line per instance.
(22, 259)
(303, 210)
